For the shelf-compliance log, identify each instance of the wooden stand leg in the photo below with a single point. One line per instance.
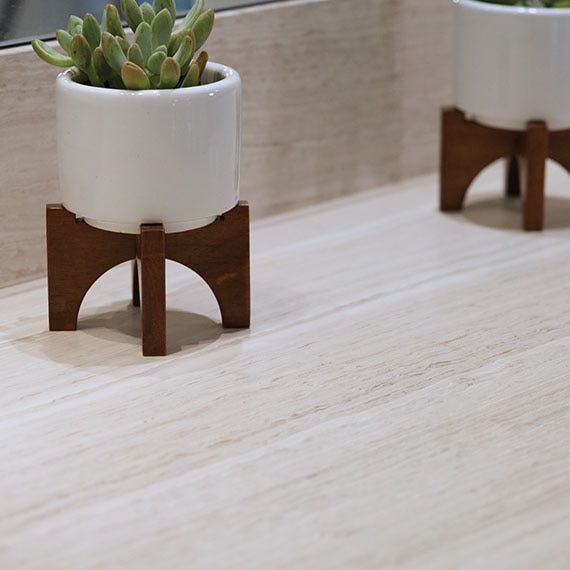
(512, 178)
(231, 284)
(219, 253)
(466, 149)
(135, 285)
(535, 154)
(152, 262)
(77, 255)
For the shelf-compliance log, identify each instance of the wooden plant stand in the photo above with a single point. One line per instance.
(467, 147)
(78, 254)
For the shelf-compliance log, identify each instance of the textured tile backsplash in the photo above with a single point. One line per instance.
(338, 97)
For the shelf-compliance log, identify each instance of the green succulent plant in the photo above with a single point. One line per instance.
(159, 57)
(532, 3)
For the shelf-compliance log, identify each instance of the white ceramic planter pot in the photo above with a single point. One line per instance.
(512, 64)
(157, 156)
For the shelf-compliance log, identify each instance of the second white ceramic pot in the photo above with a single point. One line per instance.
(512, 64)
(158, 156)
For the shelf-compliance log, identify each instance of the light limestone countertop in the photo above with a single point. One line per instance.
(401, 401)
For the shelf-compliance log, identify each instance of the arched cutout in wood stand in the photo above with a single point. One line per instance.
(467, 147)
(78, 254)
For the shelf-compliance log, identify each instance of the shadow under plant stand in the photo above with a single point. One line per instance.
(78, 254)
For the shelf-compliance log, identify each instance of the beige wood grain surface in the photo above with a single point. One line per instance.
(401, 401)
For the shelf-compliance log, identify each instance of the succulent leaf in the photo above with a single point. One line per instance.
(161, 28)
(91, 31)
(113, 52)
(192, 16)
(174, 43)
(192, 77)
(203, 27)
(158, 57)
(143, 37)
(201, 61)
(134, 77)
(64, 40)
(155, 62)
(132, 13)
(81, 52)
(82, 58)
(147, 12)
(176, 38)
(185, 52)
(123, 42)
(51, 56)
(135, 55)
(159, 5)
(74, 25)
(169, 74)
(102, 68)
(112, 22)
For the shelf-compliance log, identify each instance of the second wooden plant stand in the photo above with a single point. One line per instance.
(78, 254)
(467, 147)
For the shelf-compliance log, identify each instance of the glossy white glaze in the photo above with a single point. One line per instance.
(132, 157)
(512, 64)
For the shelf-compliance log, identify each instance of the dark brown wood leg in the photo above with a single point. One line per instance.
(512, 178)
(535, 154)
(231, 285)
(219, 253)
(152, 263)
(466, 149)
(135, 284)
(453, 184)
(77, 255)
